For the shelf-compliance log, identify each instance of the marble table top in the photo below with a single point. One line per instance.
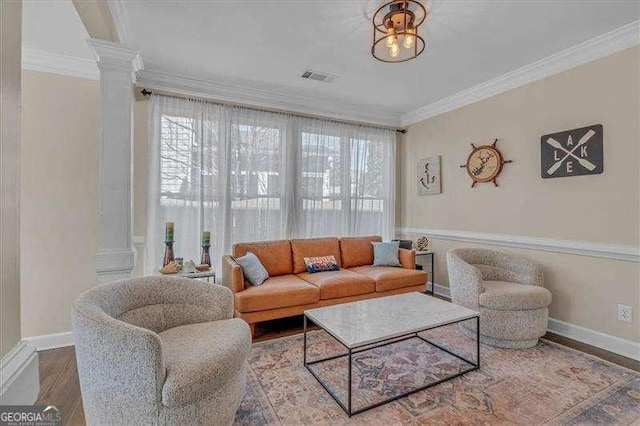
(361, 323)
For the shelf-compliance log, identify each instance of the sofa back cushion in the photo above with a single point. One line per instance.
(275, 256)
(313, 247)
(357, 251)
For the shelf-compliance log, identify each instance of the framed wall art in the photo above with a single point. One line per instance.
(428, 176)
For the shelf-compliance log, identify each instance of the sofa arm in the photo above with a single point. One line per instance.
(407, 258)
(232, 276)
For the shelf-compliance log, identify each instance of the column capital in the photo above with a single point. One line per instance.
(115, 56)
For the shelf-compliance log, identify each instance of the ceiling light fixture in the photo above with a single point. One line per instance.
(396, 23)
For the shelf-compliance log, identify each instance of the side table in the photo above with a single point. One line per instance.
(431, 270)
(209, 275)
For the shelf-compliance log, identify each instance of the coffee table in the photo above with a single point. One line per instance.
(362, 326)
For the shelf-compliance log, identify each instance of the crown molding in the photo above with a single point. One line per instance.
(120, 20)
(264, 97)
(55, 63)
(621, 252)
(598, 47)
(116, 56)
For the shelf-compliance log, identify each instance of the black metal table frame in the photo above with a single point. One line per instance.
(432, 272)
(351, 351)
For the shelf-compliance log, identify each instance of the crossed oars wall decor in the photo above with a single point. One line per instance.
(561, 156)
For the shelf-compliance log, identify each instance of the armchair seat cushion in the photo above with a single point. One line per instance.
(505, 296)
(343, 283)
(277, 292)
(392, 278)
(202, 358)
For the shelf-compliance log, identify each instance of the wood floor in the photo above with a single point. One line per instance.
(59, 383)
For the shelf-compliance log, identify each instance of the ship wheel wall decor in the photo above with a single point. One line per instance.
(485, 163)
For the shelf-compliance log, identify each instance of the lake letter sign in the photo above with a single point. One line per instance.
(572, 153)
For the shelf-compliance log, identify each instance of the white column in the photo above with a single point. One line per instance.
(115, 257)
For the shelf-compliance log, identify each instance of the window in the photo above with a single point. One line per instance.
(249, 175)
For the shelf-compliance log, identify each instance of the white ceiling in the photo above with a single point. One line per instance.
(268, 43)
(272, 42)
(54, 26)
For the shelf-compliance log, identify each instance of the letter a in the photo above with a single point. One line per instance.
(569, 141)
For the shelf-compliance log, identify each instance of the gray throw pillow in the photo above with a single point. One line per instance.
(252, 268)
(386, 254)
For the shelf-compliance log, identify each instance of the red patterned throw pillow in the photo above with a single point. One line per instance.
(321, 264)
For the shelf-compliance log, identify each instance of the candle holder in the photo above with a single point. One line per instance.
(205, 259)
(168, 253)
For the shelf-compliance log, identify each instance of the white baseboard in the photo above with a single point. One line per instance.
(575, 332)
(20, 375)
(440, 290)
(581, 334)
(51, 341)
(595, 338)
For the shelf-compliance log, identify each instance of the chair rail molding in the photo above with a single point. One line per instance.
(253, 94)
(19, 375)
(115, 258)
(581, 248)
(598, 47)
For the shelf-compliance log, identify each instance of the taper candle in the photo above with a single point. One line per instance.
(168, 234)
(206, 238)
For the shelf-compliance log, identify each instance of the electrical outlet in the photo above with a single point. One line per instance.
(625, 313)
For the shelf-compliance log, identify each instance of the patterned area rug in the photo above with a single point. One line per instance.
(547, 384)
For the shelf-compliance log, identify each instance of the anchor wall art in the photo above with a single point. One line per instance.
(428, 173)
(572, 152)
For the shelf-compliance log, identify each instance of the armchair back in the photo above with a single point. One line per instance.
(118, 350)
(465, 280)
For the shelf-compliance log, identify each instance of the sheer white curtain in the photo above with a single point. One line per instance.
(347, 182)
(250, 175)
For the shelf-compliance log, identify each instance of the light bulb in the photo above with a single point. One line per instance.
(394, 50)
(391, 36)
(409, 38)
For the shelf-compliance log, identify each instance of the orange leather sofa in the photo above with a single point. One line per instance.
(290, 289)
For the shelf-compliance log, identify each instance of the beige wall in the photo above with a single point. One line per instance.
(603, 208)
(59, 197)
(10, 45)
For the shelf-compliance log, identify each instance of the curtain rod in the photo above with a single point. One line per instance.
(147, 92)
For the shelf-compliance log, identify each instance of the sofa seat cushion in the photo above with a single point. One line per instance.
(277, 292)
(343, 283)
(201, 358)
(391, 278)
(505, 296)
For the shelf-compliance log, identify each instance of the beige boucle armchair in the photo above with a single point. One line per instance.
(506, 289)
(160, 350)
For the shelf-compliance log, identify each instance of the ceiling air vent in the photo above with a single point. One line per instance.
(318, 76)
